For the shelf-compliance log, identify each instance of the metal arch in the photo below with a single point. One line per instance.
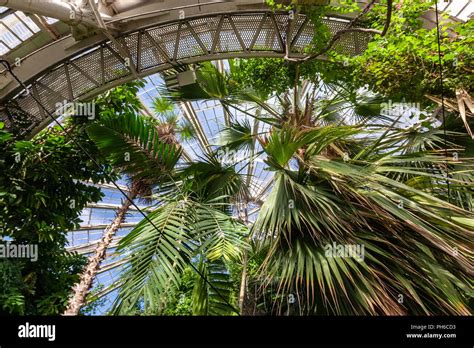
(86, 73)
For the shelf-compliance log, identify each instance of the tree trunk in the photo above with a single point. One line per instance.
(243, 284)
(77, 301)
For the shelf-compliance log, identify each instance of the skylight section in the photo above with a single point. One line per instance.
(462, 9)
(15, 28)
(50, 20)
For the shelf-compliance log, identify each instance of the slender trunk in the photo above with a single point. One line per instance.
(243, 284)
(85, 282)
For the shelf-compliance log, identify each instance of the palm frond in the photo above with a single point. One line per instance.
(133, 145)
(209, 178)
(162, 106)
(216, 299)
(158, 248)
(237, 136)
(368, 202)
(221, 236)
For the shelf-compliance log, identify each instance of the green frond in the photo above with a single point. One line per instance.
(210, 178)
(331, 199)
(237, 136)
(162, 106)
(216, 299)
(158, 248)
(221, 235)
(186, 130)
(133, 145)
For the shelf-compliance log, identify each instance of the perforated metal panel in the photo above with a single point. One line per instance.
(147, 51)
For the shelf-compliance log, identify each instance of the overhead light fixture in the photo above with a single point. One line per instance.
(180, 79)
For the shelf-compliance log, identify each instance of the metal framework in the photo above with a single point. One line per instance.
(111, 42)
(88, 72)
(115, 41)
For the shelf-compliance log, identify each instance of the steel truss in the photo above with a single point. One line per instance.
(86, 73)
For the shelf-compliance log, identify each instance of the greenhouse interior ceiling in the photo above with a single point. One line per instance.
(236, 157)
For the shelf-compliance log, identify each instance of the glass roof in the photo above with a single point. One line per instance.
(16, 28)
(462, 9)
(210, 118)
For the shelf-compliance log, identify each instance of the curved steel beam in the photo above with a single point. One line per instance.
(62, 72)
(64, 11)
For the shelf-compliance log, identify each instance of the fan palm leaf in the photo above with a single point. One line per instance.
(355, 202)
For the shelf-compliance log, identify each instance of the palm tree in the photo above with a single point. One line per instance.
(413, 240)
(358, 183)
(354, 181)
(191, 225)
(143, 151)
(147, 151)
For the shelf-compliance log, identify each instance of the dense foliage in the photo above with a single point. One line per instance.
(402, 64)
(351, 179)
(42, 193)
(346, 171)
(405, 63)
